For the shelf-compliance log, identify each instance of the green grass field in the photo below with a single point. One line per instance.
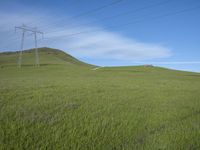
(64, 104)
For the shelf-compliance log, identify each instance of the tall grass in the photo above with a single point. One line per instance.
(73, 107)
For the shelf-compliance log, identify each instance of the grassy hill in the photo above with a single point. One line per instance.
(47, 56)
(70, 106)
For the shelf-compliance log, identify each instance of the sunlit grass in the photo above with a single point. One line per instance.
(69, 106)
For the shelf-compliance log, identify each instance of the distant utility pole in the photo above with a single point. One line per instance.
(34, 31)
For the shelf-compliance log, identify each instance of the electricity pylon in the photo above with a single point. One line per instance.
(34, 31)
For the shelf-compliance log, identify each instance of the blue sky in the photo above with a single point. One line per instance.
(128, 32)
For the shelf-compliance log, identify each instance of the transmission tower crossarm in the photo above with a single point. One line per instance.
(23, 27)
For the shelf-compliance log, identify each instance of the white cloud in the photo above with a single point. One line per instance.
(97, 45)
(111, 45)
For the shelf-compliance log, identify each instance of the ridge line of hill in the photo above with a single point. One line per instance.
(46, 55)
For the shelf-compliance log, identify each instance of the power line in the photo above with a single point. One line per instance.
(97, 9)
(134, 22)
(86, 13)
(120, 14)
(123, 13)
(89, 12)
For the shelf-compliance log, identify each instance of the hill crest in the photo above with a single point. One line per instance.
(47, 56)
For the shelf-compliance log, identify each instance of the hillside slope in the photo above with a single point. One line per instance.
(72, 107)
(47, 56)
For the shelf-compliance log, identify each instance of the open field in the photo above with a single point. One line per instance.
(64, 104)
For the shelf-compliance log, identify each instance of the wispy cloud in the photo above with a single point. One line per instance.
(107, 44)
(100, 44)
(170, 62)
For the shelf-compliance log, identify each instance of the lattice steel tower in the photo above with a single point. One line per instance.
(34, 32)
